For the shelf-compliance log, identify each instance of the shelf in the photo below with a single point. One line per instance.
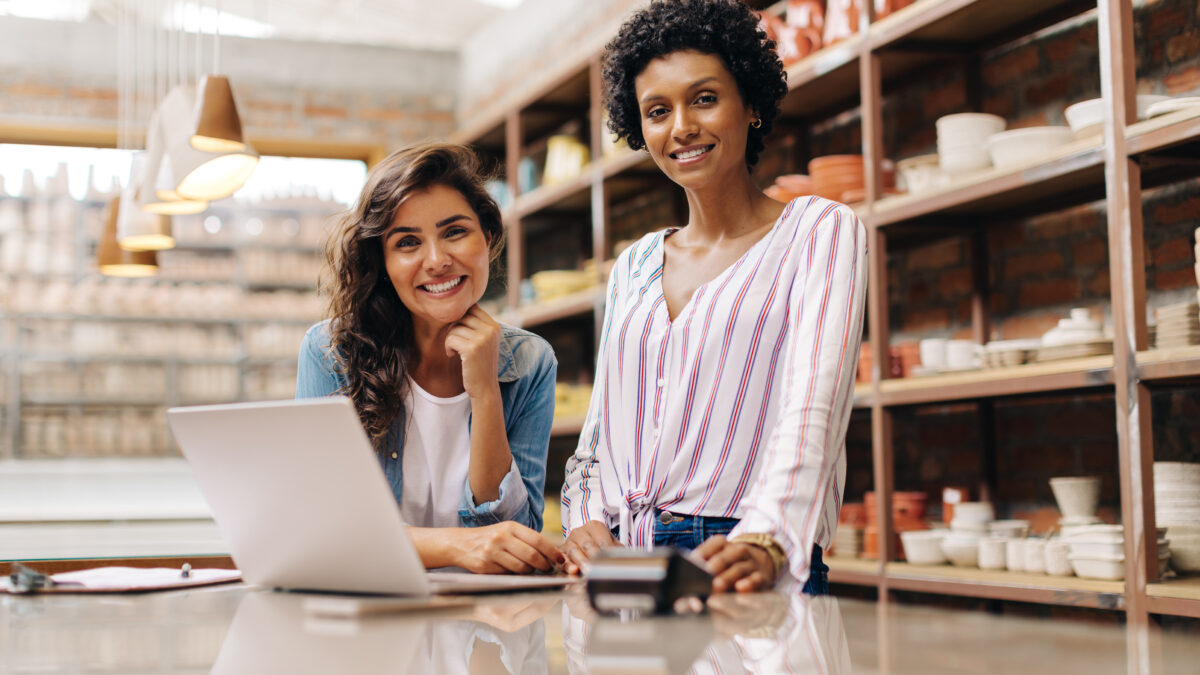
(115, 318)
(1003, 585)
(1071, 174)
(570, 425)
(1164, 132)
(856, 571)
(115, 401)
(862, 395)
(823, 80)
(575, 304)
(966, 26)
(571, 195)
(130, 358)
(1180, 597)
(1165, 365)
(1064, 375)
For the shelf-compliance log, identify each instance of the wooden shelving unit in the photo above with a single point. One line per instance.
(1115, 166)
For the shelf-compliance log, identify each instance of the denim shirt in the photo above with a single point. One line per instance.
(526, 369)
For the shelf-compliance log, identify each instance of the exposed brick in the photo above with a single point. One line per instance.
(1100, 284)
(1028, 326)
(1183, 81)
(955, 282)
(936, 256)
(1049, 292)
(1090, 252)
(1172, 279)
(1164, 22)
(1032, 265)
(1039, 119)
(1082, 421)
(1170, 214)
(917, 320)
(945, 99)
(1053, 89)
(1172, 251)
(1061, 48)
(998, 304)
(1183, 46)
(1012, 67)
(1002, 103)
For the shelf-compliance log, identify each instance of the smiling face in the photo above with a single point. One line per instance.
(693, 118)
(436, 255)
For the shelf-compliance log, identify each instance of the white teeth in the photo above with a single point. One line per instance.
(442, 288)
(691, 153)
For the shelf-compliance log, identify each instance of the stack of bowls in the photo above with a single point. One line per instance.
(790, 186)
(923, 547)
(841, 177)
(908, 514)
(1086, 118)
(962, 140)
(1098, 551)
(1177, 508)
(968, 528)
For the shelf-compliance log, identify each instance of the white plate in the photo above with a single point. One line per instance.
(1171, 105)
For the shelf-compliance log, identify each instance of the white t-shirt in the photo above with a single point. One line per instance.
(437, 452)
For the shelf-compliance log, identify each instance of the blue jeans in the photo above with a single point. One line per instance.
(688, 532)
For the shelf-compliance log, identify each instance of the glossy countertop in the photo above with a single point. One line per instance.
(239, 629)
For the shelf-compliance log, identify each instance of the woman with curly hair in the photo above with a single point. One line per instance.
(725, 375)
(458, 406)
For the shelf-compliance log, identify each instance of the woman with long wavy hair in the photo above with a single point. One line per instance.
(458, 406)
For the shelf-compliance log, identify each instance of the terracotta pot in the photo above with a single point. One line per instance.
(806, 14)
(841, 20)
(853, 515)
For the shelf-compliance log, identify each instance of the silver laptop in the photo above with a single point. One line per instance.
(299, 497)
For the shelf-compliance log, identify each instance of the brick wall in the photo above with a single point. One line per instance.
(285, 90)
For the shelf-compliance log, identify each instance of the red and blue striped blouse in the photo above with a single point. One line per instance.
(739, 406)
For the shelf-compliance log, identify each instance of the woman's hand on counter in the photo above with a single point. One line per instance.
(492, 549)
(583, 542)
(737, 566)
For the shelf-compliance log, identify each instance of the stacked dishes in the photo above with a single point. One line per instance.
(967, 529)
(1098, 551)
(908, 514)
(790, 186)
(1177, 509)
(962, 140)
(1019, 146)
(841, 177)
(1178, 325)
(1170, 105)
(1007, 353)
(1076, 336)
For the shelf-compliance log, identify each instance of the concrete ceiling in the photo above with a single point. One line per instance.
(415, 24)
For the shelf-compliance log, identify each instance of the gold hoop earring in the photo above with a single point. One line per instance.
(756, 124)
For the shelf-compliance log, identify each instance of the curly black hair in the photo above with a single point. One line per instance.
(727, 29)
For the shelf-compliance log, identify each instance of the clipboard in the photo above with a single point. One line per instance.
(26, 581)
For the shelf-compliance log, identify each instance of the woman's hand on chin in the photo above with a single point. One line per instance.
(504, 547)
(475, 338)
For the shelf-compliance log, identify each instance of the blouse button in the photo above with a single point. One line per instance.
(662, 383)
(393, 455)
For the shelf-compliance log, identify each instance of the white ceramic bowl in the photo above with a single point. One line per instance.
(965, 159)
(961, 550)
(1091, 567)
(1086, 118)
(933, 352)
(974, 512)
(969, 125)
(1009, 528)
(1185, 556)
(1023, 146)
(923, 547)
(992, 553)
(1076, 496)
(919, 174)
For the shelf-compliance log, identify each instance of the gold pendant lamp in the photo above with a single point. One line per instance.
(114, 261)
(218, 125)
(202, 175)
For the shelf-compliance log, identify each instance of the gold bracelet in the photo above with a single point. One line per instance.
(768, 544)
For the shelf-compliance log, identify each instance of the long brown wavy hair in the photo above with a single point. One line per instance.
(371, 331)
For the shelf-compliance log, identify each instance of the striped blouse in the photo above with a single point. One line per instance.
(739, 406)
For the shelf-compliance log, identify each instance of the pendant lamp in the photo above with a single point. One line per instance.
(218, 125)
(147, 167)
(197, 174)
(111, 259)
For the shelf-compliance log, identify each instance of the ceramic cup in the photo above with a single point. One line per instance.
(992, 553)
(933, 353)
(1014, 555)
(1035, 556)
